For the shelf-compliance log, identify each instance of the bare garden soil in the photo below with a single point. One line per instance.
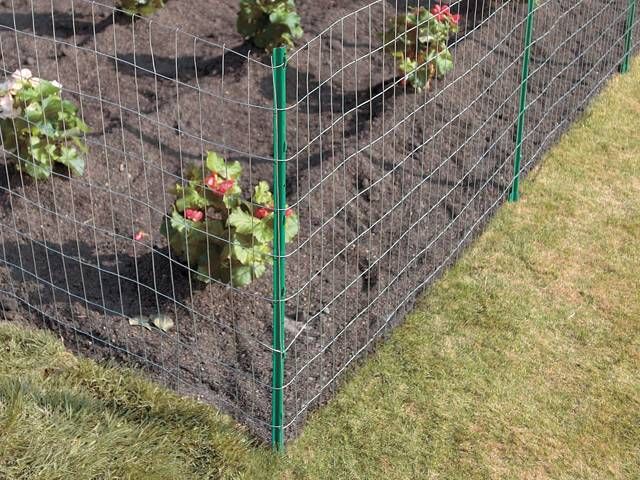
(389, 184)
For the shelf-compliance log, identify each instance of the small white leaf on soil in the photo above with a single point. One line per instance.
(140, 321)
(163, 322)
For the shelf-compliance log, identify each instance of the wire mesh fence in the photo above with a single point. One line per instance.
(380, 185)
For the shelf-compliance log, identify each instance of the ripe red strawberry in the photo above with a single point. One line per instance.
(193, 214)
(211, 181)
(441, 12)
(437, 12)
(223, 187)
(264, 211)
(455, 18)
(217, 186)
(261, 212)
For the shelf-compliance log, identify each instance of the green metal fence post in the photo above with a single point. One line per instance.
(279, 217)
(515, 188)
(628, 35)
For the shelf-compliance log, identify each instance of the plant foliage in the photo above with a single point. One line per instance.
(418, 42)
(39, 126)
(218, 233)
(141, 7)
(269, 23)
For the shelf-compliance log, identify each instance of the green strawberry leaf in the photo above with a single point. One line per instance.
(70, 158)
(241, 275)
(242, 221)
(263, 230)
(262, 194)
(291, 227)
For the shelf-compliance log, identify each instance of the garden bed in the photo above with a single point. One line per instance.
(389, 185)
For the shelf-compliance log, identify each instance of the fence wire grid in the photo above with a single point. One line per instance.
(389, 184)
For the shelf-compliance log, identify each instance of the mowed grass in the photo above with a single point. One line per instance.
(522, 362)
(68, 418)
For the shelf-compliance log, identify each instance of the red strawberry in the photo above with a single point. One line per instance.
(211, 180)
(261, 212)
(441, 12)
(437, 11)
(139, 235)
(193, 214)
(223, 187)
(289, 212)
(455, 18)
(218, 187)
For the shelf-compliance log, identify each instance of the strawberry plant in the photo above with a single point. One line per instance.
(269, 23)
(216, 231)
(141, 7)
(418, 42)
(39, 126)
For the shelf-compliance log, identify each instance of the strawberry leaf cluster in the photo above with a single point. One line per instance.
(216, 231)
(269, 23)
(418, 43)
(39, 126)
(141, 7)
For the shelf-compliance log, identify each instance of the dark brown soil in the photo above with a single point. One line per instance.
(390, 185)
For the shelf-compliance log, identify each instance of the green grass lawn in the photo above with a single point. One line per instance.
(522, 362)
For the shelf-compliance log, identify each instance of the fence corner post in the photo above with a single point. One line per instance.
(279, 285)
(628, 36)
(515, 187)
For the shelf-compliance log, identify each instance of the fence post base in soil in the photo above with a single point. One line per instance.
(515, 188)
(628, 36)
(279, 218)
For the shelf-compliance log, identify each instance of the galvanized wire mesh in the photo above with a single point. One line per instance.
(392, 184)
(389, 184)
